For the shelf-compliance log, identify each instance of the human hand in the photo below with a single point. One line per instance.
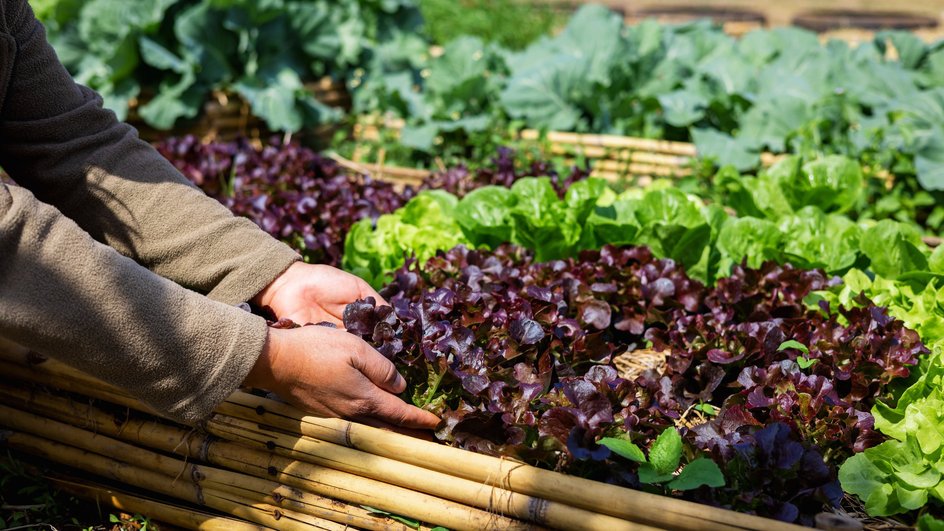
(332, 373)
(309, 293)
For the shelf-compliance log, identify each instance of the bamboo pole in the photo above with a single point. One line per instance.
(492, 499)
(53, 370)
(68, 379)
(616, 501)
(164, 512)
(613, 141)
(406, 176)
(315, 479)
(409, 173)
(398, 176)
(10, 350)
(265, 515)
(621, 155)
(630, 169)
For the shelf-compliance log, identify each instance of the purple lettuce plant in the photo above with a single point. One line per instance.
(517, 358)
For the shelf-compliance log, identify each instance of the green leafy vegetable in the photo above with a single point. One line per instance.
(893, 249)
(701, 471)
(792, 343)
(422, 227)
(665, 455)
(666, 452)
(623, 448)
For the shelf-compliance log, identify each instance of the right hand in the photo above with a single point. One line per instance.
(332, 373)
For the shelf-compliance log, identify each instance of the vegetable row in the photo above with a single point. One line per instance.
(796, 219)
(777, 90)
(169, 55)
(781, 382)
(517, 357)
(772, 90)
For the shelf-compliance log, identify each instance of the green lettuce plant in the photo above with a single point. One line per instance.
(706, 239)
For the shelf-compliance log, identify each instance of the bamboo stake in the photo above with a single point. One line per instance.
(164, 512)
(316, 479)
(616, 501)
(492, 499)
(191, 446)
(262, 514)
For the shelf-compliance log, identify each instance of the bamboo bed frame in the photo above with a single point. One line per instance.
(267, 464)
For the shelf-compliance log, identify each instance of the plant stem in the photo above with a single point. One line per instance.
(431, 392)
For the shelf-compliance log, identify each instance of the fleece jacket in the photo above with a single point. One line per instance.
(110, 260)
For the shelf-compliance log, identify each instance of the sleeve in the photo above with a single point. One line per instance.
(58, 141)
(72, 298)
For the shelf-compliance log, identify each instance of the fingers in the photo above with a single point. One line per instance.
(425, 435)
(390, 409)
(379, 370)
(384, 405)
(367, 291)
(305, 316)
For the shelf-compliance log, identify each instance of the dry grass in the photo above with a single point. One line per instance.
(630, 365)
(852, 507)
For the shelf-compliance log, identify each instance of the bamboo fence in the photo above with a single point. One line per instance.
(616, 158)
(269, 464)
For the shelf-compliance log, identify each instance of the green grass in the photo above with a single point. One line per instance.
(29, 501)
(513, 24)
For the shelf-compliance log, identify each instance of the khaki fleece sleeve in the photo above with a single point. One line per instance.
(68, 296)
(58, 141)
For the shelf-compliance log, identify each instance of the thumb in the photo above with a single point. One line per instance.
(379, 370)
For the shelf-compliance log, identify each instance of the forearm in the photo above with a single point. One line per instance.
(67, 296)
(59, 142)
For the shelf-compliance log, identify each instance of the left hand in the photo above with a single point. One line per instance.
(313, 293)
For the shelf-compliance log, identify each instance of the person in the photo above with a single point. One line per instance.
(111, 261)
